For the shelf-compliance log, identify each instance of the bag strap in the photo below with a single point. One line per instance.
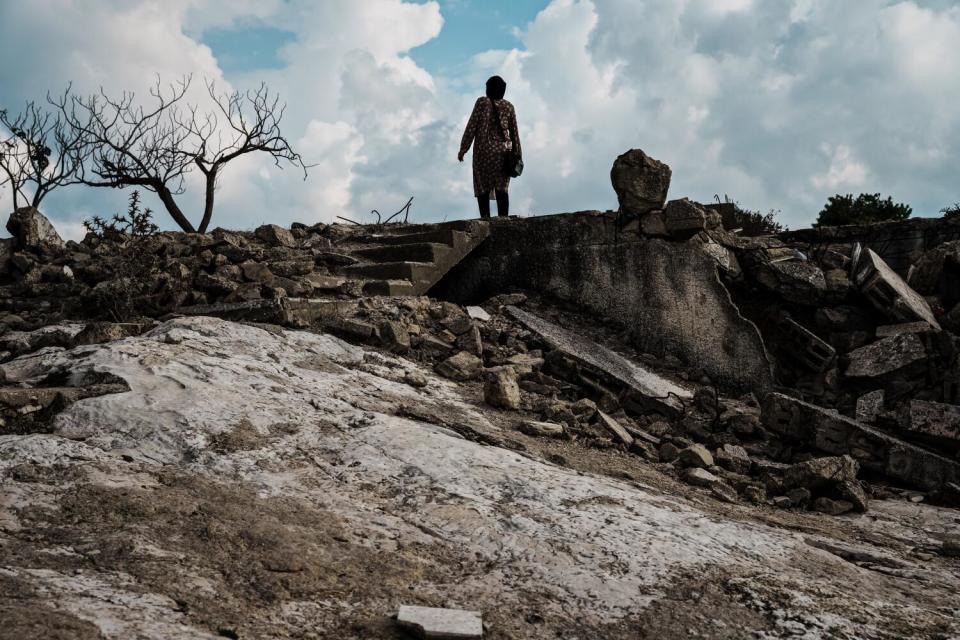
(496, 114)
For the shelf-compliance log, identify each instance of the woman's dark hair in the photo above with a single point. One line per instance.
(496, 88)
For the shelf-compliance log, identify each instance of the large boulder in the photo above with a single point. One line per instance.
(32, 231)
(640, 181)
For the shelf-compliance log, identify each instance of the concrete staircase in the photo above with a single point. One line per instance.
(409, 260)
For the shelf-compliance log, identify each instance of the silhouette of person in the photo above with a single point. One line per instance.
(492, 129)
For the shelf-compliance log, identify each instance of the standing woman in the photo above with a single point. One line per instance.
(493, 124)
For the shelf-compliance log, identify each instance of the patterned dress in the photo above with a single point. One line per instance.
(490, 145)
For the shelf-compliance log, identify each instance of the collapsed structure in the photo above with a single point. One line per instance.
(803, 371)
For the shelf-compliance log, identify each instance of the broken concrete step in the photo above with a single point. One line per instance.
(648, 388)
(450, 237)
(889, 293)
(412, 252)
(389, 288)
(412, 271)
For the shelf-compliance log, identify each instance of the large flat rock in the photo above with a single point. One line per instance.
(267, 484)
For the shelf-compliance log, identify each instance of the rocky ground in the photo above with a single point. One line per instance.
(258, 482)
(324, 453)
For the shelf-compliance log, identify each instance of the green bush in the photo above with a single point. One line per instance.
(952, 212)
(865, 209)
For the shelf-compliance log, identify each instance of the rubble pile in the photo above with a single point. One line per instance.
(866, 366)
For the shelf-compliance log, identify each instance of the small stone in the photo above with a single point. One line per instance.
(733, 458)
(394, 336)
(542, 429)
(755, 494)
(724, 492)
(699, 477)
(256, 271)
(799, 497)
(831, 507)
(415, 379)
(584, 408)
(441, 624)
(276, 236)
(668, 452)
(461, 367)
(782, 502)
(696, 455)
(851, 491)
(501, 389)
(478, 313)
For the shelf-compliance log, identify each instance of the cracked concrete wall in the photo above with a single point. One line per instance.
(667, 294)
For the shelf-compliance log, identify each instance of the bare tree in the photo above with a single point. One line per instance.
(156, 147)
(250, 124)
(41, 151)
(129, 145)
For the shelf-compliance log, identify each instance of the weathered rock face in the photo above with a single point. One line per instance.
(191, 507)
(640, 181)
(32, 231)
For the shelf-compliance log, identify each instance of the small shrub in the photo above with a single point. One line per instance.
(752, 223)
(135, 266)
(866, 208)
(952, 212)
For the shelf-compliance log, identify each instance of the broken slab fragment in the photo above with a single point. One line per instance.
(933, 420)
(870, 406)
(684, 218)
(877, 451)
(543, 429)
(615, 428)
(441, 624)
(900, 355)
(805, 346)
(793, 280)
(645, 387)
(888, 292)
(889, 330)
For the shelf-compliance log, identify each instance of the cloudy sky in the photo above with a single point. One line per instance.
(775, 103)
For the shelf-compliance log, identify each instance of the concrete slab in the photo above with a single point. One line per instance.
(889, 293)
(653, 390)
(441, 624)
(899, 355)
(933, 419)
(875, 450)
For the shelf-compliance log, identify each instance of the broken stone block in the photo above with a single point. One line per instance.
(796, 281)
(806, 347)
(615, 428)
(696, 455)
(932, 419)
(828, 431)
(584, 409)
(888, 293)
(889, 330)
(276, 236)
(653, 223)
(852, 492)
(699, 477)
(441, 624)
(394, 336)
(32, 231)
(643, 387)
(478, 313)
(900, 356)
(831, 507)
(501, 389)
(641, 182)
(870, 405)
(541, 429)
(214, 284)
(733, 458)
(461, 367)
(821, 472)
(684, 218)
